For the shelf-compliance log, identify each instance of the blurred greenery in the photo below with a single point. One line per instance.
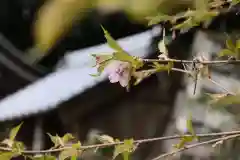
(55, 17)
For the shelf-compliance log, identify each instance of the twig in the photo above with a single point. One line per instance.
(196, 145)
(191, 61)
(7, 149)
(219, 85)
(180, 70)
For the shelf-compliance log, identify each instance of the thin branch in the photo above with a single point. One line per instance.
(196, 145)
(180, 70)
(191, 61)
(7, 149)
(219, 85)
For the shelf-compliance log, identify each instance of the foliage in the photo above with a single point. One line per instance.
(121, 67)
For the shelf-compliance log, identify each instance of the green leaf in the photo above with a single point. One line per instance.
(111, 42)
(187, 24)
(105, 139)
(49, 157)
(6, 155)
(157, 19)
(135, 62)
(238, 44)
(101, 68)
(101, 62)
(128, 147)
(170, 66)
(57, 141)
(68, 153)
(125, 155)
(77, 145)
(18, 147)
(14, 131)
(190, 126)
(229, 44)
(226, 52)
(123, 57)
(95, 75)
(183, 141)
(8, 142)
(140, 75)
(162, 47)
(120, 54)
(74, 158)
(43, 157)
(67, 137)
(53, 138)
(201, 4)
(101, 58)
(161, 67)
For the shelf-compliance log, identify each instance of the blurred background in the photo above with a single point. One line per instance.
(44, 75)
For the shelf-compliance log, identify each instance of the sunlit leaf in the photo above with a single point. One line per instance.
(135, 62)
(161, 67)
(201, 4)
(187, 24)
(140, 75)
(183, 141)
(120, 54)
(67, 153)
(77, 145)
(18, 147)
(74, 158)
(125, 155)
(101, 62)
(95, 75)
(67, 137)
(157, 19)
(128, 147)
(14, 131)
(122, 57)
(101, 58)
(190, 125)
(106, 139)
(57, 141)
(55, 18)
(238, 44)
(43, 157)
(6, 155)
(170, 66)
(8, 142)
(162, 47)
(229, 44)
(226, 52)
(101, 67)
(112, 43)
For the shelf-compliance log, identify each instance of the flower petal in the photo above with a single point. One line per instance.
(113, 78)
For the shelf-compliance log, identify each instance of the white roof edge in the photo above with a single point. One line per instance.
(68, 81)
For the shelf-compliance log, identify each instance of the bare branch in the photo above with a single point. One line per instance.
(191, 61)
(149, 140)
(196, 145)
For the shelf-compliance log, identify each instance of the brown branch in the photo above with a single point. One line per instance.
(196, 145)
(7, 149)
(191, 61)
(219, 85)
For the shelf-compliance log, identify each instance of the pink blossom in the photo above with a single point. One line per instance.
(118, 71)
